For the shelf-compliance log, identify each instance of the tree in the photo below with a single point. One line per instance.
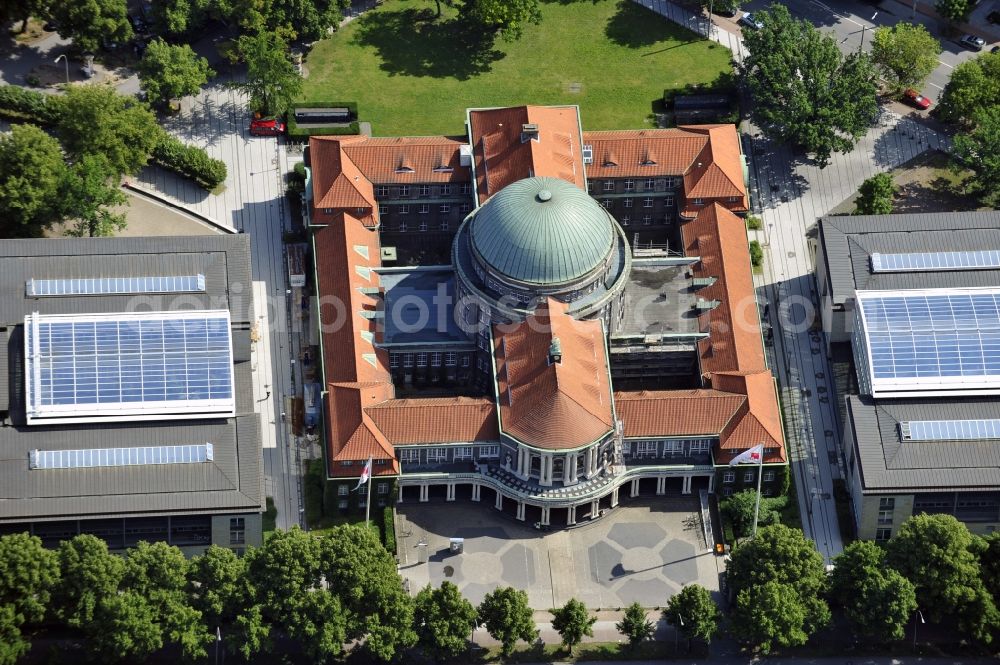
(308, 20)
(953, 10)
(96, 119)
(28, 573)
(20, 10)
(693, 612)
(739, 508)
(91, 23)
(875, 196)
(87, 191)
(167, 71)
(805, 91)
(219, 586)
(125, 628)
(443, 621)
(979, 149)
(989, 563)
(974, 86)
(178, 17)
(504, 16)
(12, 643)
(770, 615)
(635, 626)
(507, 617)
(876, 599)
(573, 622)
(89, 574)
(934, 552)
(905, 54)
(364, 577)
(272, 81)
(31, 168)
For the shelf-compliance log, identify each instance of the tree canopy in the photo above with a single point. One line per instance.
(805, 91)
(573, 622)
(935, 553)
(219, 587)
(905, 53)
(95, 119)
(979, 149)
(634, 625)
(28, 573)
(771, 615)
(740, 507)
(89, 188)
(443, 621)
(507, 17)
(89, 574)
(91, 23)
(693, 612)
(877, 600)
(272, 81)
(953, 10)
(974, 86)
(31, 170)
(875, 196)
(168, 71)
(508, 618)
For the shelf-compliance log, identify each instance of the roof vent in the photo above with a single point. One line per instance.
(555, 351)
(529, 131)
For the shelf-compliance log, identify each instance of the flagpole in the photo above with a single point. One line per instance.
(756, 507)
(368, 503)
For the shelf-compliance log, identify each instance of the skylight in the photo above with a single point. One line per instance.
(140, 456)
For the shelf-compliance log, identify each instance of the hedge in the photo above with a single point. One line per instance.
(18, 103)
(296, 132)
(389, 529)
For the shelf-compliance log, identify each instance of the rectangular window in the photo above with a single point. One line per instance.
(382, 190)
(590, 186)
(421, 360)
(609, 185)
(424, 226)
(670, 182)
(647, 220)
(466, 208)
(435, 360)
(437, 455)
(342, 505)
(445, 190)
(748, 476)
(237, 531)
(404, 210)
(362, 501)
(393, 360)
(404, 190)
(443, 226)
(383, 211)
(607, 204)
(450, 359)
(489, 451)
(673, 448)
(882, 535)
(407, 360)
(727, 491)
(328, 211)
(697, 202)
(465, 360)
(445, 207)
(383, 488)
(646, 449)
(463, 452)
(424, 208)
(425, 190)
(403, 227)
(465, 188)
(668, 201)
(729, 477)
(885, 518)
(768, 476)
(647, 202)
(700, 447)
(629, 203)
(629, 185)
(409, 455)
(360, 212)
(342, 490)
(887, 503)
(626, 220)
(649, 184)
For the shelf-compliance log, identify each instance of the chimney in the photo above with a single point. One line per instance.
(529, 131)
(555, 351)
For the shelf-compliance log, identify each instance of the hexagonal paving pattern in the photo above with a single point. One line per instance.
(679, 559)
(652, 592)
(518, 566)
(603, 560)
(637, 534)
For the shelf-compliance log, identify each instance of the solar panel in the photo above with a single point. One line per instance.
(36, 288)
(935, 341)
(918, 261)
(128, 366)
(95, 457)
(949, 430)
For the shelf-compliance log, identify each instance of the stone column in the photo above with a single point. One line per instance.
(451, 492)
(595, 509)
(546, 514)
(661, 485)
(520, 510)
(634, 489)
(424, 492)
(686, 487)
(588, 462)
(614, 497)
(400, 487)
(499, 503)
(571, 516)
(569, 469)
(545, 470)
(475, 491)
(711, 483)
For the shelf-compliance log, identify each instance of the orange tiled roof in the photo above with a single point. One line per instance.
(559, 405)
(676, 412)
(436, 420)
(424, 159)
(338, 184)
(757, 421)
(351, 433)
(502, 157)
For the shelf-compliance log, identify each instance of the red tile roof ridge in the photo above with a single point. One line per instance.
(421, 402)
(688, 393)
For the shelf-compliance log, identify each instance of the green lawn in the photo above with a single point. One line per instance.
(412, 74)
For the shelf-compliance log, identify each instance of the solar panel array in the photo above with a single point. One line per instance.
(927, 334)
(947, 430)
(86, 365)
(115, 285)
(96, 457)
(917, 261)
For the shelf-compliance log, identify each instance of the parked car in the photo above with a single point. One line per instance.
(749, 21)
(973, 42)
(914, 98)
(267, 127)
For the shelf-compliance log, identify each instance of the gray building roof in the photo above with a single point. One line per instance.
(848, 243)
(232, 482)
(888, 463)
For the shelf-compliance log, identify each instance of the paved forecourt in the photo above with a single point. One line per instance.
(645, 551)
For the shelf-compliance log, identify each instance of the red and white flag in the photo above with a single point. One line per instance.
(753, 456)
(366, 474)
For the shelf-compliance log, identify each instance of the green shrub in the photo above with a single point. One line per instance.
(756, 254)
(189, 161)
(754, 223)
(389, 529)
(19, 103)
(295, 132)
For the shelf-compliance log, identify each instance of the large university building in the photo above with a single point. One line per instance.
(539, 318)
(125, 403)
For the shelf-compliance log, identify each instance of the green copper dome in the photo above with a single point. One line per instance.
(542, 231)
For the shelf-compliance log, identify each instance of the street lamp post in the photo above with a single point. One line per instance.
(917, 614)
(863, 28)
(677, 633)
(66, 60)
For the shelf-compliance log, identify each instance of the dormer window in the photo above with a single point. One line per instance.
(404, 169)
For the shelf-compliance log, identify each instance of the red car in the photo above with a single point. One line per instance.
(914, 98)
(267, 127)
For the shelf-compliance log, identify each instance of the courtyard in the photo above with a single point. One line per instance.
(644, 551)
(413, 74)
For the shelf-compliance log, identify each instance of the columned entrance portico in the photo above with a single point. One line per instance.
(546, 512)
(520, 510)
(476, 487)
(424, 493)
(686, 489)
(571, 516)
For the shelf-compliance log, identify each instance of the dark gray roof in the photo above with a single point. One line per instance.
(232, 482)
(849, 241)
(889, 463)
